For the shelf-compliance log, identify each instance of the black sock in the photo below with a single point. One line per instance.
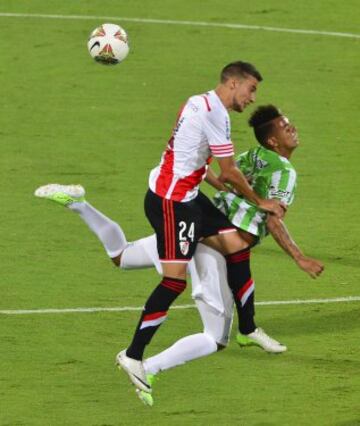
(154, 313)
(242, 287)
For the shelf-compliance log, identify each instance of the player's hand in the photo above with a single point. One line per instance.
(275, 207)
(311, 266)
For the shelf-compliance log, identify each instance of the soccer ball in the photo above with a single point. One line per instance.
(108, 44)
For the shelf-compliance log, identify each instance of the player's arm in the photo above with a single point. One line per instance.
(212, 179)
(231, 174)
(217, 129)
(278, 230)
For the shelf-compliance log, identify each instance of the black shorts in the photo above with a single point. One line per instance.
(179, 226)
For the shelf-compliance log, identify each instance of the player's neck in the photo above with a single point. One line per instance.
(224, 96)
(283, 152)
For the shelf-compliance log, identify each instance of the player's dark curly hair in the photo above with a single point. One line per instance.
(239, 69)
(261, 121)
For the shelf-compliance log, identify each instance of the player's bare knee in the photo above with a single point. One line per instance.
(174, 270)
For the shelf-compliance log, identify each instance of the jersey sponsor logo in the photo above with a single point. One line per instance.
(260, 164)
(178, 125)
(227, 129)
(278, 192)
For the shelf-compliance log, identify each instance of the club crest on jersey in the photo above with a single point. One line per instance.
(184, 247)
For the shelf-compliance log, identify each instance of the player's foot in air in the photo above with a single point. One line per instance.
(61, 194)
(134, 370)
(146, 397)
(261, 339)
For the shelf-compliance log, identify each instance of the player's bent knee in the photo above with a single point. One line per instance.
(174, 270)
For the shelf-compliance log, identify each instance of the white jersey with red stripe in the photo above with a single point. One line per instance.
(202, 131)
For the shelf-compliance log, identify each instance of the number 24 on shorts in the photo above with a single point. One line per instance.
(186, 232)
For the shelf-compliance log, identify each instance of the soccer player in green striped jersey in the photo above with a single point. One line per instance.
(271, 176)
(270, 173)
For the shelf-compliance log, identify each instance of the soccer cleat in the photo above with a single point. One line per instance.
(261, 339)
(134, 370)
(61, 194)
(146, 397)
(151, 379)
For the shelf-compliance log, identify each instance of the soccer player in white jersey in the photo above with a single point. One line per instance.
(181, 215)
(272, 176)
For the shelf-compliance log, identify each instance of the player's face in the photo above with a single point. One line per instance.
(285, 134)
(244, 92)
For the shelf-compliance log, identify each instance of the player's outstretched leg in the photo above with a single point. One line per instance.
(73, 196)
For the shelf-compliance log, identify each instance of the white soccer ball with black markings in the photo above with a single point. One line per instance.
(108, 44)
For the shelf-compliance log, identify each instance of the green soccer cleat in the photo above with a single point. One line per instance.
(151, 378)
(61, 194)
(261, 339)
(146, 397)
(243, 340)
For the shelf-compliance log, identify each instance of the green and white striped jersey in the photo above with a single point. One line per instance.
(271, 176)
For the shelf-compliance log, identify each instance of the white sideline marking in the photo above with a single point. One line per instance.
(173, 22)
(134, 308)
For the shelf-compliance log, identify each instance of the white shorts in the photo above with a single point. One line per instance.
(208, 274)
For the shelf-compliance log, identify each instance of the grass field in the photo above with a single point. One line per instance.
(66, 119)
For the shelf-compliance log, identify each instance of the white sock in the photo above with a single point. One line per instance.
(185, 349)
(108, 231)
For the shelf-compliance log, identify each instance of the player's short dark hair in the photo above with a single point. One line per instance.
(261, 121)
(239, 69)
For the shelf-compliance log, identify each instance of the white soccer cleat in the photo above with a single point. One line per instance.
(145, 397)
(61, 194)
(260, 338)
(134, 370)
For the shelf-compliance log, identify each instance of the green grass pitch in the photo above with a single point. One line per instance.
(65, 118)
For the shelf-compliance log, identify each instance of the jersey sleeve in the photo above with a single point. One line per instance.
(217, 130)
(282, 185)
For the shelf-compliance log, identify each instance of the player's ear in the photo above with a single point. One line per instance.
(272, 142)
(232, 83)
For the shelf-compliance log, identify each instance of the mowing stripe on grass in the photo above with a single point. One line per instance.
(188, 23)
(139, 308)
